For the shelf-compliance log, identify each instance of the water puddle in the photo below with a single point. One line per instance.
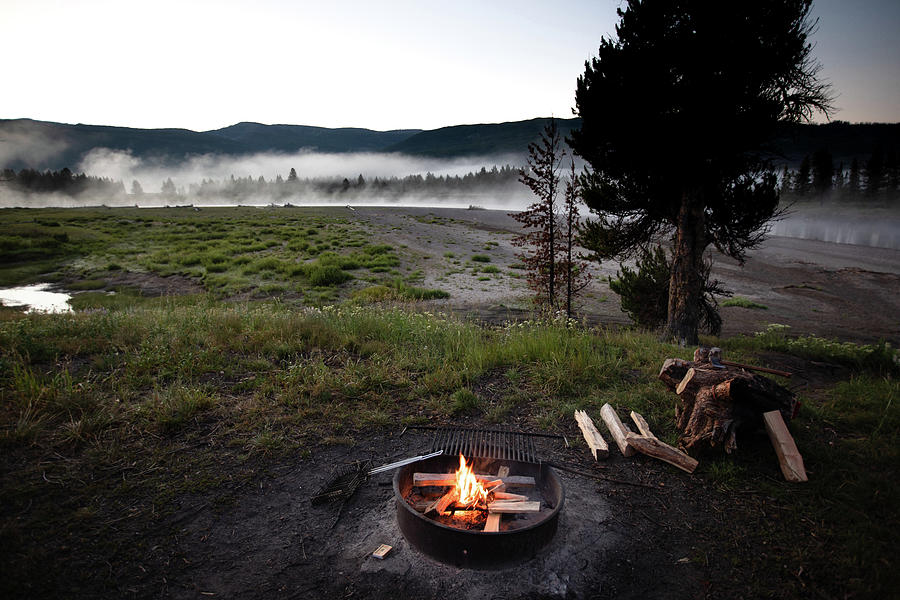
(36, 298)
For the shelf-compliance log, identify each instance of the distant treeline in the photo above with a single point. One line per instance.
(61, 182)
(876, 176)
(280, 188)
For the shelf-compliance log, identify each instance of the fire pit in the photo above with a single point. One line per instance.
(523, 520)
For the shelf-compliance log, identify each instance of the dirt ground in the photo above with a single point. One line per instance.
(639, 530)
(831, 290)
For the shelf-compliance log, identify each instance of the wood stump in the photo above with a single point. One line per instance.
(716, 403)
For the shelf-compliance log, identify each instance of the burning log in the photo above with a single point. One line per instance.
(488, 481)
(493, 520)
(716, 401)
(501, 473)
(441, 504)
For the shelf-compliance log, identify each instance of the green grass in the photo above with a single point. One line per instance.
(878, 358)
(226, 251)
(742, 302)
(482, 258)
(395, 290)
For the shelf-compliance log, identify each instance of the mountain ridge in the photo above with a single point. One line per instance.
(29, 143)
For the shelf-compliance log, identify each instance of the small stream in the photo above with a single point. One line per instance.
(37, 298)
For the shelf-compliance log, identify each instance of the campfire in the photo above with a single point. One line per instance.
(486, 501)
(474, 501)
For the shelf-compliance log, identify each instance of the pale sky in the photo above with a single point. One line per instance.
(381, 65)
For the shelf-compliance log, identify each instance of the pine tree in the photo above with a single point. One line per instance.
(574, 271)
(853, 179)
(677, 116)
(541, 241)
(875, 172)
(822, 171)
(801, 179)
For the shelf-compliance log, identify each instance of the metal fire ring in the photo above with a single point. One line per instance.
(473, 548)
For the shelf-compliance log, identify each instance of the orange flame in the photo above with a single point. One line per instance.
(471, 492)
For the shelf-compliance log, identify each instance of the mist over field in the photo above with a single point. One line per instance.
(314, 165)
(358, 178)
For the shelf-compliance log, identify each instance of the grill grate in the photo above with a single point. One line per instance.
(486, 443)
(343, 483)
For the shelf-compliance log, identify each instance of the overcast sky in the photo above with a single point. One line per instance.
(381, 65)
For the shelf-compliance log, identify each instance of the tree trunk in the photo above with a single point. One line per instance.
(686, 281)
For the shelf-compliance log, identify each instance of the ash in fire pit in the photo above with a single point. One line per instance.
(510, 519)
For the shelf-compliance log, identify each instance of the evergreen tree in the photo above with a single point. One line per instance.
(787, 180)
(136, 188)
(822, 171)
(839, 178)
(574, 271)
(677, 115)
(801, 179)
(168, 187)
(853, 179)
(541, 241)
(875, 172)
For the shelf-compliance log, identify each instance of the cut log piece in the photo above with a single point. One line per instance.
(642, 425)
(493, 521)
(664, 452)
(508, 496)
(697, 378)
(508, 506)
(711, 419)
(501, 473)
(441, 504)
(594, 440)
(788, 456)
(448, 479)
(616, 429)
(673, 371)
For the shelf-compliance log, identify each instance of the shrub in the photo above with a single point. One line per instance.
(742, 302)
(463, 401)
(322, 275)
(645, 292)
(481, 258)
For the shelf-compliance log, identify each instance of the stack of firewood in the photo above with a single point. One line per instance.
(717, 400)
(720, 398)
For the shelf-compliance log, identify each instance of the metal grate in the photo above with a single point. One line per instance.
(486, 443)
(343, 482)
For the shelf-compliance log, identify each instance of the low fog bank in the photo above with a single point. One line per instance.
(123, 166)
(300, 179)
(877, 226)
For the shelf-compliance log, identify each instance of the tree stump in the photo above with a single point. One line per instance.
(716, 403)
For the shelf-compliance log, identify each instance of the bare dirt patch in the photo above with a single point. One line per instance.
(817, 288)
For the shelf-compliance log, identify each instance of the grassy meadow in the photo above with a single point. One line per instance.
(300, 333)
